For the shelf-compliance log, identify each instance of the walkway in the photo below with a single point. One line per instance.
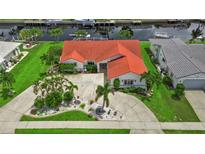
(197, 100)
(8, 127)
(13, 111)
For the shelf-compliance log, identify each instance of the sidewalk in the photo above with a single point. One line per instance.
(9, 127)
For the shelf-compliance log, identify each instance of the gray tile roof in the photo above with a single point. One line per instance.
(182, 59)
(6, 48)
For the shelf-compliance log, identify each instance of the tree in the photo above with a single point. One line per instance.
(36, 32)
(104, 91)
(197, 32)
(30, 34)
(56, 32)
(6, 79)
(157, 79)
(148, 77)
(53, 55)
(36, 87)
(53, 99)
(25, 34)
(179, 90)
(71, 87)
(116, 84)
(126, 32)
(80, 33)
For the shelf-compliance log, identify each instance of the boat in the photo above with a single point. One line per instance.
(161, 35)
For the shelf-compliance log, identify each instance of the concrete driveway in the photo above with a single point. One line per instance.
(197, 101)
(131, 107)
(87, 84)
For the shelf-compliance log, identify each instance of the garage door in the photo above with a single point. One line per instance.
(194, 84)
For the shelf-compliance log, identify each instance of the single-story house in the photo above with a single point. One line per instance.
(118, 58)
(8, 50)
(184, 63)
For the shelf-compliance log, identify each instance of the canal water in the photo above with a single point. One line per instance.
(140, 32)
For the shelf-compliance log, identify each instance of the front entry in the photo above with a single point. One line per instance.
(103, 69)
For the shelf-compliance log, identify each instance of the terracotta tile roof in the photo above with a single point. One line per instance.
(101, 50)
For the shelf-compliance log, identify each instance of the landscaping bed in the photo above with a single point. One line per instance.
(72, 131)
(29, 69)
(161, 102)
(66, 116)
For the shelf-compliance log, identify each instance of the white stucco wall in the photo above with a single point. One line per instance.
(130, 76)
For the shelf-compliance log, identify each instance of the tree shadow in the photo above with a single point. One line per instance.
(175, 97)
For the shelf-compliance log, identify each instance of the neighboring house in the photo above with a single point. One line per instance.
(184, 63)
(8, 50)
(117, 58)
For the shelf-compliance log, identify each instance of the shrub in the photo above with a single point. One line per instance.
(82, 105)
(67, 68)
(39, 103)
(20, 56)
(68, 96)
(54, 99)
(179, 90)
(91, 68)
(33, 111)
(167, 81)
(137, 90)
(116, 84)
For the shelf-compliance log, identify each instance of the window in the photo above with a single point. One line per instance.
(128, 82)
(90, 63)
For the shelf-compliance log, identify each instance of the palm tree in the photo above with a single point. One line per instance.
(56, 32)
(104, 91)
(157, 79)
(80, 33)
(7, 80)
(125, 34)
(71, 87)
(197, 32)
(36, 87)
(149, 79)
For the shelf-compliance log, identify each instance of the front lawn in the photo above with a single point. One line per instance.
(184, 131)
(66, 116)
(161, 102)
(29, 69)
(72, 131)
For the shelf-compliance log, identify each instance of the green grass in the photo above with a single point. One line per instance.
(184, 131)
(29, 69)
(72, 131)
(161, 102)
(11, 20)
(66, 116)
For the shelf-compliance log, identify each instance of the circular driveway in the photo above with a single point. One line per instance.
(131, 108)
